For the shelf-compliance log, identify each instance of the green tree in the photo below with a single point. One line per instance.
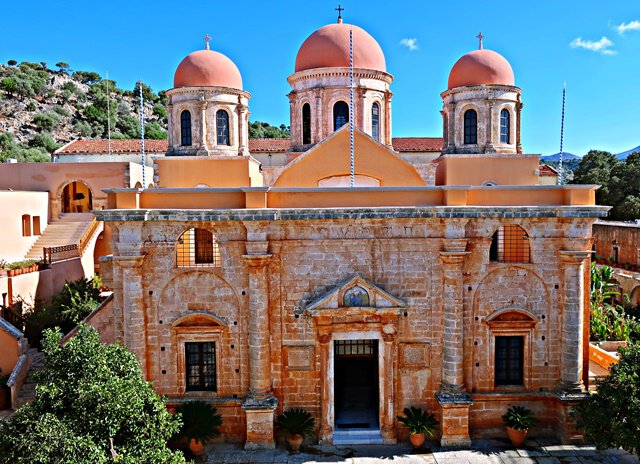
(154, 130)
(12, 62)
(595, 168)
(147, 93)
(87, 77)
(63, 67)
(46, 121)
(611, 416)
(45, 141)
(625, 188)
(92, 406)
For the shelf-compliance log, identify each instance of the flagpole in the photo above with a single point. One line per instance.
(352, 155)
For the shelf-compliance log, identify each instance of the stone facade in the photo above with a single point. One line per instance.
(437, 302)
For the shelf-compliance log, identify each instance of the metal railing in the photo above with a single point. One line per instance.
(75, 250)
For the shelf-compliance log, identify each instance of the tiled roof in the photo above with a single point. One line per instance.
(546, 170)
(132, 146)
(119, 146)
(427, 144)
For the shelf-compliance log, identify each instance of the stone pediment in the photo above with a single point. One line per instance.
(356, 294)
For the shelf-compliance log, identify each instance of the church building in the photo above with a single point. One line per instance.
(347, 279)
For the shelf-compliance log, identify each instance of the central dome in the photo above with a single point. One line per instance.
(328, 47)
(481, 67)
(207, 68)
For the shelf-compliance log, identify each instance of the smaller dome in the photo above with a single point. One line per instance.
(207, 68)
(328, 47)
(481, 67)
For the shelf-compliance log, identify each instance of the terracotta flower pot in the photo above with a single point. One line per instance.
(295, 441)
(516, 436)
(11, 272)
(417, 440)
(196, 447)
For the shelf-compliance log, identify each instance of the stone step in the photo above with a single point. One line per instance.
(357, 437)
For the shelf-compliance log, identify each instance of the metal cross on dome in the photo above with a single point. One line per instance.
(480, 37)
(207, 38)
(339, 10)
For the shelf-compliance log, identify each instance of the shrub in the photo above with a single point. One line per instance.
(46, 121)
(296, 421)
(12, 62)
(83, 128)
(200, 421)
(78, 299)
(160, 111)
(62, 111)
(419, 421)
(519, 418)
(611, 416)
(44, 141)
(92, 405)
(154, 130)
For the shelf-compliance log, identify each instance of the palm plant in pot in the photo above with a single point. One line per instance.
(421, 423)
(200, 422)
(297, 423)
(518, 419)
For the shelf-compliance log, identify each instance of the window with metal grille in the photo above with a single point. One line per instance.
(222, 124)
(353, 348)
(375, 121)
(200, 363)
(197, 248)
(510, 244)
(306, 123)
(509, 361)
(470, 127)
(505, 126)
(185, 128)
(340, 114)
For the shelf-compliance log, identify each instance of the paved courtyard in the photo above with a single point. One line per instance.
(481, 452)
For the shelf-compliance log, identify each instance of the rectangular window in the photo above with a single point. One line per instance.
(509, 362)
(200, 365)
(204, 246)
(36, 225)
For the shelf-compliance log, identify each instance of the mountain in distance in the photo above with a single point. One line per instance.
(565, 157)
(625, 154)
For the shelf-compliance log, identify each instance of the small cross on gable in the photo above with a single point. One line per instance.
(339, 10)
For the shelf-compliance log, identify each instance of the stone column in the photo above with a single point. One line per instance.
(387, 119)
(387, 396)
(453, 398)
(134, 325)
(450, 109)
(326, 420)
(241, 111)
(445, 134)
(260, 403)
(489, 148)
(170, 127)
(203, 150)
(519, 106)
(316, 122)
(573, 320)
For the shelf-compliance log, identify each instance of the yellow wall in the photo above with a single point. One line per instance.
(478, 169)
(209, 171)
(332, 158)
(8, 353)
(13, 205)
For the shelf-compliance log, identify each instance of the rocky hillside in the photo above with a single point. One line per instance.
(42, 108)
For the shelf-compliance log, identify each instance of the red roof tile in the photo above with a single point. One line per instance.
(426, 144)
(132, 146)
(546, 170)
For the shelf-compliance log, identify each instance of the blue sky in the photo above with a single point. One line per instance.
(147, 40)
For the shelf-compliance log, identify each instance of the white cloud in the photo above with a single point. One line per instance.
(630, 26)
(601, 46)
(410, 43)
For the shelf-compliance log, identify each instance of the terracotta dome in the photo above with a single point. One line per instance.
(328, 47)
(481, 67)
(207, 68)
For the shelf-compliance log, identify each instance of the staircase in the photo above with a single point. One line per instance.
(28, 391)
(67, 230)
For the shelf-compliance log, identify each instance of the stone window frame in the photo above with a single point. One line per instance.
(230, 132)
(186, 133)
(195, 122)
(333, 119)
(377, 101)
(459, 125)
(306, 101)
(506, 108)
(182, 334)
(524, 327)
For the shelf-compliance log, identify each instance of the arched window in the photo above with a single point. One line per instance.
(375, 121)
(470, 127)
(197, 248)
(340, 114)
(185, 128)
(510, 244)
(505, 126)
(26, 225)
(306, 123)
(222, 123)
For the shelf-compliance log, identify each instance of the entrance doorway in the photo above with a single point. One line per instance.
(76, 198)
(356, 384)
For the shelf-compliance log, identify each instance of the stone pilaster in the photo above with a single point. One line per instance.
(450, 109)
(170, 138)
(243, 142)
(453, 399)
(203, 150)
(489, 147)
(387, 418)
(387, 118)
(260, 403)
(519, 106)
(326, 421)
(134, 325)
(316, 122)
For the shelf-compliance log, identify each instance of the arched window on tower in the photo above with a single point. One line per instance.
(185, 128)
(340, 114)
(510, 244)
(222, 124)
(470, 127)
(306, 123)
(375, 121)
(505, 126)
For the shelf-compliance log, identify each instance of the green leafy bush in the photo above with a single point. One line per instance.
(46, 121)
(419, 421)
(296, 421)
(611, 416)
(200, 421)
(92, 406)
(519, 418)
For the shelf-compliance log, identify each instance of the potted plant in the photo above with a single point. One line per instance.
(420, 424)
(5, 393)
(297, 423)
(200, 422)
(518, 419)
